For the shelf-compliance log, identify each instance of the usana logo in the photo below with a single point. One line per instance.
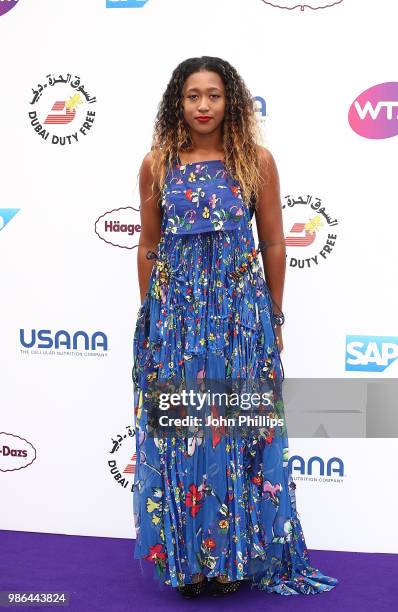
(7, 5)
(62, 342)
(260, 107)
(309, 4)
(260, 111)
(310, 233)
(62, 110)
(316, 469)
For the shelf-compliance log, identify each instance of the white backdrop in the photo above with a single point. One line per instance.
(66, 413)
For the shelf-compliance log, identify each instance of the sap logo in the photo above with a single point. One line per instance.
(370, 353)
(334, 466)
(125, 3)
(374, 112)
(44, 338)
(6, 214)
(260, 106)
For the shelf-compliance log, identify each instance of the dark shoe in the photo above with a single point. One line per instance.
(219, 589)
(193, 589)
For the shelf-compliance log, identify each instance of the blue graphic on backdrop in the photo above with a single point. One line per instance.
(6, 214)
(125, 3)
(260, 105)
(370, 353)
(334, 466)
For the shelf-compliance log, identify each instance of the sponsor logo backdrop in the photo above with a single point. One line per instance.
(80, 88)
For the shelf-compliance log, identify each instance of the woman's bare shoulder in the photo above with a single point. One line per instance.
(146, 163)
(148, 177)
(147, 172)
(264, 154)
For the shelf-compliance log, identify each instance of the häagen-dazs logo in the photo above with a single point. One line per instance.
(120, 227)
(63, 115)
(7, 5)
(374, 113)
(15, 452)
(310, 4)
(310, 231)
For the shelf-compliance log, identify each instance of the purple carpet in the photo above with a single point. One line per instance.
(100, 574)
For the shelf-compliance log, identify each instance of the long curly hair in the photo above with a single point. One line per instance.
(240, 131)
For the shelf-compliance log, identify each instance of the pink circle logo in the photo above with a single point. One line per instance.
(374, 113)
(7, 5)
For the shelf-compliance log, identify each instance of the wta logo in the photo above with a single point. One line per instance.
(374, 113)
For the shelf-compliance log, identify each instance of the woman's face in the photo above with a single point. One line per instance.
(204, 95)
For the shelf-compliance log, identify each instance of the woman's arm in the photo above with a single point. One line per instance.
(150, 224)
(270, 231)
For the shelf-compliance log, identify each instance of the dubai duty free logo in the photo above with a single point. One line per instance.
(62, 110)
(7, 5)
(310, 231)
(122, 458)
(374, 113)
(310, 4)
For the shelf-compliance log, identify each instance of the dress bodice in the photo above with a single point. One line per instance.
(202, 197)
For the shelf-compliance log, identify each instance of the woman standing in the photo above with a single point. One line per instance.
(214, 507)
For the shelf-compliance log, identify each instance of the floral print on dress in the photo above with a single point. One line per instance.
(201, 197)
(222, 503)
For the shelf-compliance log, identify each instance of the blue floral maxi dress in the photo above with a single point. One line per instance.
(220, 503)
